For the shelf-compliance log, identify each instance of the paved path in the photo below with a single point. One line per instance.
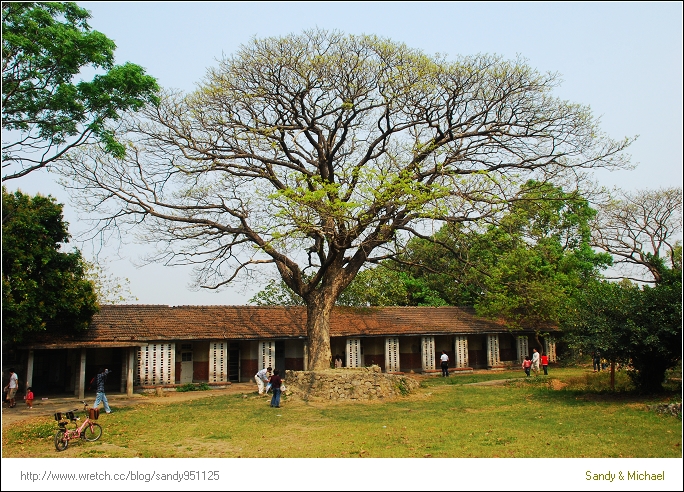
(46, 408)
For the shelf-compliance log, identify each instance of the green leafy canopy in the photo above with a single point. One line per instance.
(43, 288)
(45, 112)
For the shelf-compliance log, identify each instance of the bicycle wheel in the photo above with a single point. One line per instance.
(61, 442)
(92, 432)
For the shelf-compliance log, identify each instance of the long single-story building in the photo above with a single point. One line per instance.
(152, 345)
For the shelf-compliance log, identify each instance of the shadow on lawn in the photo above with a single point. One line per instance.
(596, 388)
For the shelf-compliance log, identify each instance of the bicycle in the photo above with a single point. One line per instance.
(88, 431)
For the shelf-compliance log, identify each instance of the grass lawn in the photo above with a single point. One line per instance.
(568, 414)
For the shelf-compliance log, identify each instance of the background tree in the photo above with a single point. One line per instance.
(532, 262)
(322, 152)
(523, 269)
(635, 322)
(45, 45)
(109, 288)
(43, 288)
(638, 326)
(640, 229)
(276, 293)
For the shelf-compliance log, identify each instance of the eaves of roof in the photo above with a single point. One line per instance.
(134, 325)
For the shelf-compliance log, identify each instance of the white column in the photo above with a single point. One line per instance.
(123, 370)
(80, 387)
(218, 362)
(523, 347)
(29, 369)
(392, 354)
(156, 364)
(171, 364)
(130, 370)
(266, 355)
(493, 358)
(461, 351)
(427, 346)
(353, 352)
(550, 348)
(306, 356)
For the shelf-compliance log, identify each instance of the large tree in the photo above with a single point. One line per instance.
(45, 113)
(321, 152)
(379, 286)
(523, 269)
(43, 287)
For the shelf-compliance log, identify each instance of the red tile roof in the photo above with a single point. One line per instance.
(127, 325)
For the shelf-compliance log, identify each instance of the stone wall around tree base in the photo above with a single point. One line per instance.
(363, 383)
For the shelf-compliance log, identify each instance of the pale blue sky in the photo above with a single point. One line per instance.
(623, 59)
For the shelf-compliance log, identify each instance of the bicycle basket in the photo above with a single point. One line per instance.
(58, 416)
(70, 415)
(94, 413)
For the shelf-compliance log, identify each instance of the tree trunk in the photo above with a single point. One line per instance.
(540, 345)
(318, 330)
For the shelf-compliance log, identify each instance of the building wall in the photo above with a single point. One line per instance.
(446, 343)
(477, 351)
(410, 354)
(508, 350)
(294, 355)
(98, 359)
(177, 378)
(374, 351)
(200, 362)
(52, 373)
(248, 360)
(338, 347)
(181, 347)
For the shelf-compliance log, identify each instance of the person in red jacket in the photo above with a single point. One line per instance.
(545, 363)
(29, 397)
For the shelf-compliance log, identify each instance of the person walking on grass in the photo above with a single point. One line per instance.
(100, 396)
(276, 382)
(535, 361)
(12, 388)
(527, 363)
(261, 379)
(445, 364)
(545, 363)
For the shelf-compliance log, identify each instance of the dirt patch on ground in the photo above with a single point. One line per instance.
(46, 408)
(557, 385)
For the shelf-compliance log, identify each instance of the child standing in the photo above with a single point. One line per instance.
(29, 397)
(545, 363)
(527, 363)
(276, 383)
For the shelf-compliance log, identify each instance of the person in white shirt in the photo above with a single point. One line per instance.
(261, 378)
(445, 364)
(11, 388)
(535, 361)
